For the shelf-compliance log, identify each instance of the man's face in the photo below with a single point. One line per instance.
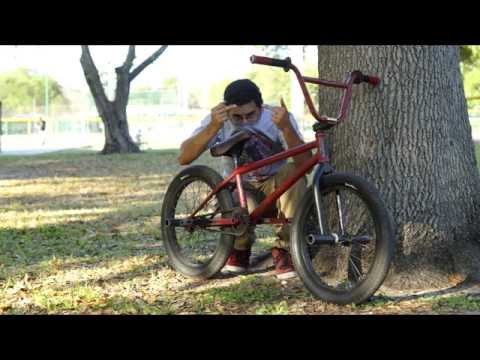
(246, 114)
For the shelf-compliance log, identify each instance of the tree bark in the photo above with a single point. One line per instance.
(114, 113)
(412, 139)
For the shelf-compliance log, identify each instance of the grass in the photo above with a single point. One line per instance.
(457, 304)
(79, 234)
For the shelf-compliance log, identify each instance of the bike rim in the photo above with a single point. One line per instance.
(195, 246)
(341, 267)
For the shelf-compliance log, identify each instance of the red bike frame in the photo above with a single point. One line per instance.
(319, 157)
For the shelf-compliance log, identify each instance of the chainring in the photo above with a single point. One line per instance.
(240, 214)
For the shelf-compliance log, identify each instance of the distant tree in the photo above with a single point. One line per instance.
(272, 80)
(20, 89)
(276, 51)
(273, 83)
(468, 55)
(170, 83)
(215, 94)
(470, 66)
(114, 112)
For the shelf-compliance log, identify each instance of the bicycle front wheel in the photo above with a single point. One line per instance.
(349, 261)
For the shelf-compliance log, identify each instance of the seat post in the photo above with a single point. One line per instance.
(235, 160)
(238, 180)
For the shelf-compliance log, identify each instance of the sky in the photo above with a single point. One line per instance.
(196, 65)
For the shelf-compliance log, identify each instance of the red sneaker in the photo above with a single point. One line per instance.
(238, 261)
(283, 264)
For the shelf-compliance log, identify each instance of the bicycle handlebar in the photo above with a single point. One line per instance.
(262, 60)
(355, 77)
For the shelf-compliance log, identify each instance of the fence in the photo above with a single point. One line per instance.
(154, 126)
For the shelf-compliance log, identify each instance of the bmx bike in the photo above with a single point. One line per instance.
(341, 236)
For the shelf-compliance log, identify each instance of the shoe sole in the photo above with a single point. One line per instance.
(235, 269)
(287, 275)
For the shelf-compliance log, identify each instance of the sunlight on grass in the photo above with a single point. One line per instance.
(33, 219)
(278, 308)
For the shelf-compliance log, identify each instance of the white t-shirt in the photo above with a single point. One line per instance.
(264, 124)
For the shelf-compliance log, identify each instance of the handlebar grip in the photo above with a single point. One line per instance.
(372, 80)
(358, 78)
(262, 60)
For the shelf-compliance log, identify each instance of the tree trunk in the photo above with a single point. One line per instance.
(412, 139)
(117, 136)
(114, 113)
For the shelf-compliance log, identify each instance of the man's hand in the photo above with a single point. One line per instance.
(220, 113)
(280, 116)
(282, 121)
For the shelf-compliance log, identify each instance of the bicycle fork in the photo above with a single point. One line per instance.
(312, 238)
(331, 238)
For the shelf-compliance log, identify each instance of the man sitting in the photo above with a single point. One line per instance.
(243, 107)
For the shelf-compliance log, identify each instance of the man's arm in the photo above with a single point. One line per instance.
(193, 147)
(292, 140)
(281, 119)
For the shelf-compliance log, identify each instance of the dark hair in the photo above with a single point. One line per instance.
(241, 92)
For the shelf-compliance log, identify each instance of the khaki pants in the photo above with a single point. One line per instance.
(286, 205)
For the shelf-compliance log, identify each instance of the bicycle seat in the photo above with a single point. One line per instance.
(231, 146)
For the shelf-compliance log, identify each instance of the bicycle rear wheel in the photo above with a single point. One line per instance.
(348, 262)
(196, 251)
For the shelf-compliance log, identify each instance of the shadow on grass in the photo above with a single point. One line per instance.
(124, 276)
(427, 295)
(100, 238)
(259, 269)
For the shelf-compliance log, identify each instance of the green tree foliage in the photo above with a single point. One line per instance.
(468, 55)
(215, 95)
(276, 51)
(273, 83)
(470, 66)
(276, 82)
(21, 88)
(170, 83)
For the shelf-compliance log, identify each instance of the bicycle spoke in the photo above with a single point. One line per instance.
(359, 273)
(343, 265)
(198, 244)
(341, 214)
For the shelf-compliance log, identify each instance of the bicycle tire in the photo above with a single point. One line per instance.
(384, 244)
(224, 245)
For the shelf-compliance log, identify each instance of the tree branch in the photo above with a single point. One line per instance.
(147, 62)
(130, 57)
(92, 76)
(122, 88)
